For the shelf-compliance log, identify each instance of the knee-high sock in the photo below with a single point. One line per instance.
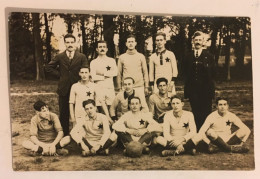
(147, 138)
(223, 145)
(108, 143)
(234, 140)
(86, 143)
(125, 137)
(189, 145)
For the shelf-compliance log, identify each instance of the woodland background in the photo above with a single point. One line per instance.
(33, 42)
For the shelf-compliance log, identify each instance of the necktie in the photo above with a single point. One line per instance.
(197, 54)
(70, 55)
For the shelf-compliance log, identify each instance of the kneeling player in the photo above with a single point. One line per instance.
(46, 133)
(136, 125)
(178, 127)
(93, 134)
(216, 131)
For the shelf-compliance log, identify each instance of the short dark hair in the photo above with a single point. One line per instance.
(159, 80)
(84, 67)
(99, 42)
(197, 33)
(130, 99)
(177, 97)
(162, 34)
(89, 101)
(38, 105)
(221, 98)
(131, 36)
(127, 78)
(69, 35)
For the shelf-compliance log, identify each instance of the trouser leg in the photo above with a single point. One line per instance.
(64, 113)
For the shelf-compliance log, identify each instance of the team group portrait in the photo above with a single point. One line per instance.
(130, 92)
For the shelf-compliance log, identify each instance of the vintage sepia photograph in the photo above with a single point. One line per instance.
(130, 91)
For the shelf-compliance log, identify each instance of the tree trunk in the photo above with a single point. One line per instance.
(108, 31)
(154, 31)
(38, 47)
(48, 38)
(139, 35)
(83, 31)
(227, 53)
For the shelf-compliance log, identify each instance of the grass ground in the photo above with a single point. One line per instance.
(22, 97)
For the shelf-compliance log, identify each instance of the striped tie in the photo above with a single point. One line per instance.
(197, 54)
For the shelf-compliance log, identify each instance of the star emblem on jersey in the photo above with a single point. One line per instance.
(228, 123)
(88, 93)
(141, 122)
(100, 126)
(108, 68)
(50, 122)
(186, 125)
(167, 59)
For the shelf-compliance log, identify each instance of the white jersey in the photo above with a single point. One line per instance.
(167, 67)
(179, 127)
(221, 124)
(103, 70)
(139, 120)
(79, 93)
(96, 131)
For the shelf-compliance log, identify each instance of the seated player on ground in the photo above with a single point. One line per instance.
(120, 103)
(97, 137)
(216, 131)
(178, 127)
(136, 125)
(81, 91)
(46, 133)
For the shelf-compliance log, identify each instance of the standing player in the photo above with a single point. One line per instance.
(160, 102)
(162, 64)
(103, 69)
(68, 63)
(178, 127)
(136, 125)
(133, 64)
(82, 91)
(97, 137)
(46, 133)
(120, 103)
(199, 74)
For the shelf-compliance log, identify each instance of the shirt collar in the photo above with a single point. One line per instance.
(41, 118)
(199, 51)
(72, 53)
(128, 96)
(131, 52)
(162, 52)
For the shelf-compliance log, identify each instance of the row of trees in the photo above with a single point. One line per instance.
(31, 46)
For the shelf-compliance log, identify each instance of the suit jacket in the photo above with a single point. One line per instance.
(67, 71)
(208, 70)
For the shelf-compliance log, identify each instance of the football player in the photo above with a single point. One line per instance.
(216, 131)
(162, 64)
(136, 125)
(178, 128)
(120, 103)
(97, 136)
(46, 133)
(103, 69)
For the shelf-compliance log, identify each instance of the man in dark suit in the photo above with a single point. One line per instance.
(68, 63)
(199, 73)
